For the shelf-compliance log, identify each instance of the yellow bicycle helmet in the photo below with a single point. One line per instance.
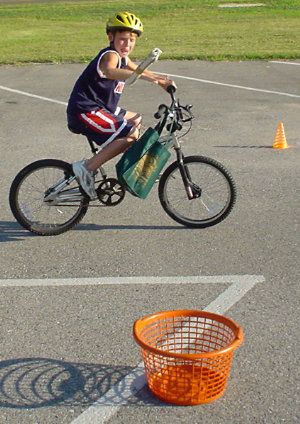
(125, 21)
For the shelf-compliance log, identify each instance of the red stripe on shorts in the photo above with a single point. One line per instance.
(100, 121)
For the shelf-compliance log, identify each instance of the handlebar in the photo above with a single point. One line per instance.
(178, 113)
(161, 110)
(171, 89)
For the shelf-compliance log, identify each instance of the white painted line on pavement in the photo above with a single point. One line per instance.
(242, 87)
(193, 279)
(119, 394)
(284, 63)
(233, 294)
(24, 93)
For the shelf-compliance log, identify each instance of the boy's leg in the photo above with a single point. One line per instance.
(84, 170)
(119, 145)
(133, 117)
(103, 127)
(111, 150)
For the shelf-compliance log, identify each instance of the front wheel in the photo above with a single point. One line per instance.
(46, 199)
(214, 189)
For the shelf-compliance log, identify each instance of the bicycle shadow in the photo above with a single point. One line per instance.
(32, 383)
(12, 231)
(96, 227)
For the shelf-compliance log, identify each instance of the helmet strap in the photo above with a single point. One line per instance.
(111, 38)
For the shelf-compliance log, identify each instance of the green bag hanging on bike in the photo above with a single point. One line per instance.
(141, 164)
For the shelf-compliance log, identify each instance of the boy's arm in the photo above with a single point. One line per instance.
(147, 75)
(109, 67)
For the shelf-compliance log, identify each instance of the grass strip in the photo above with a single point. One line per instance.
(74, 31)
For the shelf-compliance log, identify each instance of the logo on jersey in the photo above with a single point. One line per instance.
(120, 87)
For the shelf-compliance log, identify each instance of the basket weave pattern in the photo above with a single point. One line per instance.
(188, 357)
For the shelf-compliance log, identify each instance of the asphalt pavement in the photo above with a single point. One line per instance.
(67, 330)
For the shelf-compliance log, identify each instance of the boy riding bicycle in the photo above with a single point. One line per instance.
(93, 105)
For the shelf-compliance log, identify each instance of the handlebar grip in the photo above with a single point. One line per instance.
(171, 89)
(160, 112)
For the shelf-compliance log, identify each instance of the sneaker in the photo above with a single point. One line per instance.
(85, 178)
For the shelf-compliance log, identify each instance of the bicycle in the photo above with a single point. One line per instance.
(195, 191)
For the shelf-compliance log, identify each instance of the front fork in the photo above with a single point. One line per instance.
(193, 191)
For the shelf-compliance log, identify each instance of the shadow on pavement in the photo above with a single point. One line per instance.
(246, 147)
(31, 383)
(12, 231)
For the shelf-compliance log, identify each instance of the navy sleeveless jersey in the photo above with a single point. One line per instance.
(93, 90)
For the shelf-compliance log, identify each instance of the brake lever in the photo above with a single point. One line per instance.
(187, 108)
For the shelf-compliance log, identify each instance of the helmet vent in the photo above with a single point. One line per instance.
(120, 18)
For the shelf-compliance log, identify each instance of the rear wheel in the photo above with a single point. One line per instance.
(214, 190)
(45, 198)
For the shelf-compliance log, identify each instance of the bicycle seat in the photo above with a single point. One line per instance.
(92, 143)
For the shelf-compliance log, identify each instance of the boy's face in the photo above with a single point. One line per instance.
(123, 42)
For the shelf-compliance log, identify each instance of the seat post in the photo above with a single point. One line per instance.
(94, 149)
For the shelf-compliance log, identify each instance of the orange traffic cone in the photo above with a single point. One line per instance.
(280, 140)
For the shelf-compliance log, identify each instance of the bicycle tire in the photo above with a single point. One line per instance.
(213, 179)
(28, 185)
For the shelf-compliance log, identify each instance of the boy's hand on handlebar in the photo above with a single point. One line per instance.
(165, 82)
(162, 80)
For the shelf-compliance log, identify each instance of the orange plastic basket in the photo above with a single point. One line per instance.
(187, 354)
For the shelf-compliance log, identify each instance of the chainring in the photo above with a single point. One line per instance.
(110, 192)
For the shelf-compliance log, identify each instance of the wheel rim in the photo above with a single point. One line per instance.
(216, 194)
